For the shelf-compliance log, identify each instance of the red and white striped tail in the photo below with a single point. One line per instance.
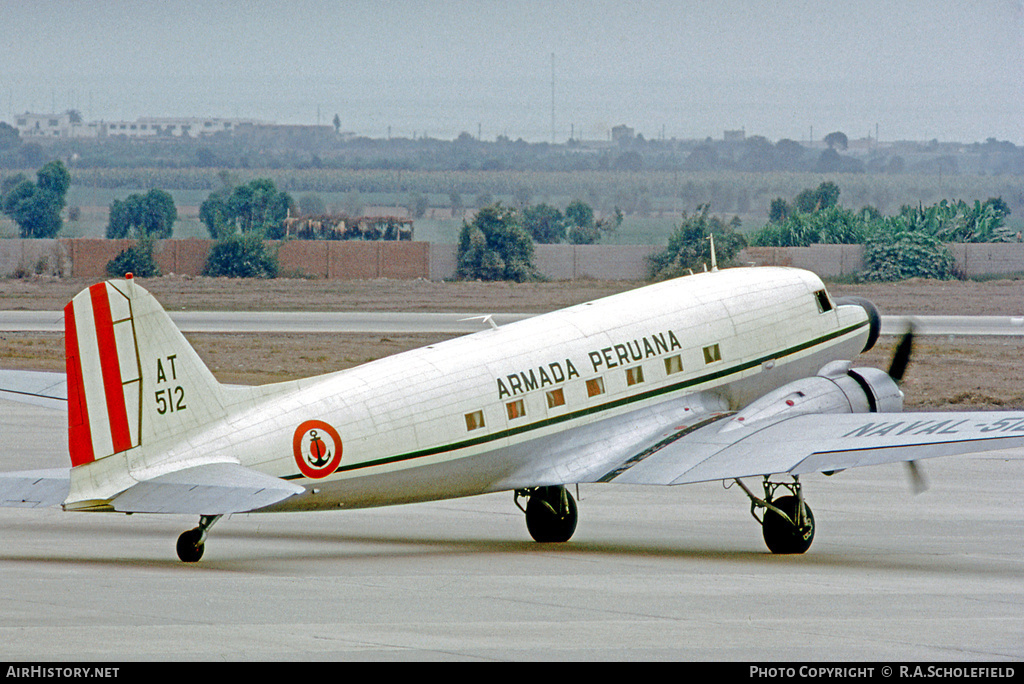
(133, 379)
(104, 375)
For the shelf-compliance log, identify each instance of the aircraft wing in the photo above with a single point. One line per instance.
(35, 387)
(726, 449)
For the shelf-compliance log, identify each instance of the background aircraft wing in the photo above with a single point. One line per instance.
(35, 387)
(34, 488)
(209, 489)
(727, 449)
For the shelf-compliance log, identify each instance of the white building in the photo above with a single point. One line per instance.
(61, 125)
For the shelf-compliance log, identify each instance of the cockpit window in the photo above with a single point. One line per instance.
(824, 303)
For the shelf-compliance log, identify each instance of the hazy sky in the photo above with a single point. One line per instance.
(918, 69)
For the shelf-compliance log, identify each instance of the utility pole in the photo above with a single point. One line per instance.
(552, 98)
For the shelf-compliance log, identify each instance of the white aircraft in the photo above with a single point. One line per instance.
(716, 376)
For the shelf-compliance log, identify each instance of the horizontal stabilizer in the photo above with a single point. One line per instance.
(35, 387)
(34, 488)
(210, 489)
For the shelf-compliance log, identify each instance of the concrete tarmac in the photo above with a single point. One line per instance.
(652, 573)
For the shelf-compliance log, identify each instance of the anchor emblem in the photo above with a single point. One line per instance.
(316, 446)
(319, 454)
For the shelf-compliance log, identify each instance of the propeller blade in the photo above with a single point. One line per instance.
(918, 482)
(901, 357)
(897, 367)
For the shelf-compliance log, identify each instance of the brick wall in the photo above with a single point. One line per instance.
(350, 260)
(46, 257)
(339, 260)
(825, 260)
(976, 259)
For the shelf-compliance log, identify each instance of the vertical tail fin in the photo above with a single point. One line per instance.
(132, 377)
(103, 373)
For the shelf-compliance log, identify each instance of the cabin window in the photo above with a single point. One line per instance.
(516, 409)
(821, 298)
(712, 354)
(673, 364)
(634, 375)
(556, 397)
(474, 420)
(595, 386)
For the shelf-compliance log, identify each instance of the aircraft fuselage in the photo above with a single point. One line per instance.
(494, 410)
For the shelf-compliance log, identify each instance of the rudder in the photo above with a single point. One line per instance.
(132, 377)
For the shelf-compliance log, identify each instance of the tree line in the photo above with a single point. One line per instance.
(911, 244)
(313, 148)
(36, 206)
(497, 244)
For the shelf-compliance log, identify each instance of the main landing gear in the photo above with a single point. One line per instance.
(550, 513)
(787, 523)
(192, 543)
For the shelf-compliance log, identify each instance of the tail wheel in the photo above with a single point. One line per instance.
(192, 543)
(551, 514)
(191, 546)
(788, 536)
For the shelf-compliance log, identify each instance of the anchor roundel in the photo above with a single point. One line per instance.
(317, 448)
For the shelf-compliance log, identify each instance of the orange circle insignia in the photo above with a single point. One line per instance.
(317, 448)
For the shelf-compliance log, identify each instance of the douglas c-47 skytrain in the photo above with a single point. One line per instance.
(739, 373)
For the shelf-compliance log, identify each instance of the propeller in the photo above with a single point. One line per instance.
(897, 367)
(918, 482)
(901, 357)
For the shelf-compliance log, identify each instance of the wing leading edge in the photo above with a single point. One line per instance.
(727, 449)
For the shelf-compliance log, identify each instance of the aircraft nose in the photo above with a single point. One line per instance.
(874, 318)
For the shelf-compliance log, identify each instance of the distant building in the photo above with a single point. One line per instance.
(622, 133)
(735, 136)
(64, 125)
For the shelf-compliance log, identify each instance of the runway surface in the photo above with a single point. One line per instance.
(448, 323)
(651, 573)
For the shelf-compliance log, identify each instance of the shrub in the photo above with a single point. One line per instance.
(137, 260)
(36, 207)
(152, 214)
(255, 207)
(544, 223)
(241, 256)
(893, 256)
(495, 246)
(689, 246)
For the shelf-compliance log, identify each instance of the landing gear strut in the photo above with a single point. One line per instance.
(787, 524)
(192, 543)
(550, 513)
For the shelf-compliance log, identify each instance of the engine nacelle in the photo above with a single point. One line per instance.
(837, 388)
(874, 318)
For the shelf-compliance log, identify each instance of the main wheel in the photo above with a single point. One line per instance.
(190, 548)
(780, 535)
(551, 514)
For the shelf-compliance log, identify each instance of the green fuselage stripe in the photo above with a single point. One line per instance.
(642, 396)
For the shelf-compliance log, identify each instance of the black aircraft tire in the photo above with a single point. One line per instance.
(779, 535)
(546, 520)
(190, 549)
